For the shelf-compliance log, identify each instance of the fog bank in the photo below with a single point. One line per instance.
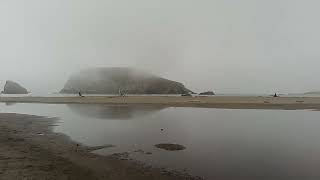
(243, 46)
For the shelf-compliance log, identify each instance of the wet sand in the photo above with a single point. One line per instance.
(30, 150)
(232, 102)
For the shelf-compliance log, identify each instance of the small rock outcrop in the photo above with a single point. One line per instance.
(210, 93)
(312, 93)
(14, 88)
(170, 147)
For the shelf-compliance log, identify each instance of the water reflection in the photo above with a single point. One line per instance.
(121, 112)
(223, 144)
(9, 103)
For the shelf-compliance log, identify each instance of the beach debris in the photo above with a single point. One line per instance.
(170, 147)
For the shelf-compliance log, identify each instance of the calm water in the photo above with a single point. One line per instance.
(221, 144)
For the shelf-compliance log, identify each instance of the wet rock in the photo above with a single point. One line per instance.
(142, 152)
(209, 93)
(121, 156)
(170, 147)
(100, 147)
(139, 151)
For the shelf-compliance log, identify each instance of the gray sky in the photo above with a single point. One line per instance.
(246, 46)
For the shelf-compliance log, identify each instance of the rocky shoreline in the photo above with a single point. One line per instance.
(29, 149)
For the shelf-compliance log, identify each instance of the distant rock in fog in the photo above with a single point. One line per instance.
(14, 88)
(130, 81)
(313, 92)
(210, 93)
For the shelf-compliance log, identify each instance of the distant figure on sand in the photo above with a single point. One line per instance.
(121, 93)
(275, 95)
(80, 94)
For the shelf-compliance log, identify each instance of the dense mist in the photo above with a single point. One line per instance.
(228, 46)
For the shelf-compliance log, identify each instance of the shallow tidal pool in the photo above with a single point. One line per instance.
(219, 143)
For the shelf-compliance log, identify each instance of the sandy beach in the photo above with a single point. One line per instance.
(30, 150)
(232, 102)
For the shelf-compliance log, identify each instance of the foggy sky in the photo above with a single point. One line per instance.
(229, 46)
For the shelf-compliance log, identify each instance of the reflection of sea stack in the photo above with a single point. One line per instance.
(113, 111)
(14, 88)
(129, 81)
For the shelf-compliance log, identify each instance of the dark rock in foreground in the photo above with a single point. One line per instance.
(170, 147)
(210, 93)
(14, 88)
(115, 80)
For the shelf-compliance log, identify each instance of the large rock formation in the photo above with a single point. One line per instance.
(14, 88)
(113, 80)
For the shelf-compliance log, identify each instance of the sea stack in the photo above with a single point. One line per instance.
(119, 79)
(14, 88)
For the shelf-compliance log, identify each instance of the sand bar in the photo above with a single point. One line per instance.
(255, 102)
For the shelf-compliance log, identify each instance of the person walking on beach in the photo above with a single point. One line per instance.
(80, 94)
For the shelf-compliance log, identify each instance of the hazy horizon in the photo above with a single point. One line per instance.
(227, 46)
